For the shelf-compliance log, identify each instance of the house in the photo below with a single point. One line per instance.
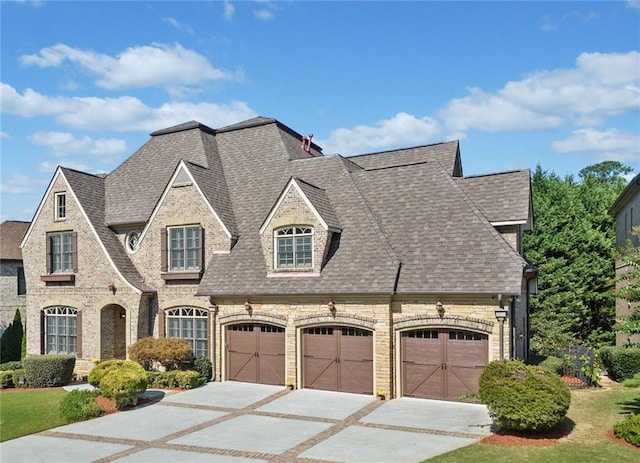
(13, 287)
(388, 271)
(625, 220)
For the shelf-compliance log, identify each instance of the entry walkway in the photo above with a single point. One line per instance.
(242, 423)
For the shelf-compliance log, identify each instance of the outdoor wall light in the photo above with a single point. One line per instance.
(123, 314)
(331, 306)
(247, 306)
(440, 309)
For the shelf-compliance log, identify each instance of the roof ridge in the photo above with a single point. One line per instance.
(491, 174)
(405, 149)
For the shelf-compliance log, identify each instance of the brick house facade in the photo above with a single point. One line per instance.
(13, 289)
(375, 272)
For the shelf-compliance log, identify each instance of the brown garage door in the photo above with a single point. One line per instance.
(255, 353)
(441, 363)
(338, 358)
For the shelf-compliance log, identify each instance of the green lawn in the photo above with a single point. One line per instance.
(27, 412)
(593, 412)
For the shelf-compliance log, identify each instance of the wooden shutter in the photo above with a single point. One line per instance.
(43, 347)
(202, 253)
(79, 334)
(163, 249)
(74, 251)
(49, 257)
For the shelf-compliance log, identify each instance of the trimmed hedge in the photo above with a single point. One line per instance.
(49, 370)
(80, 405)
(6, 379)
(123, 385)
(620, 362)
(522, 397)
(16, 378)
(175, 379)
(7, 366)
(101, 369)
(629, 429)
(554, 364)
(168, 352)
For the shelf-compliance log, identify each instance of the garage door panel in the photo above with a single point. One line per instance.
(256, 353)
(242, 366)
(461, 381)
(356, 376)
(425, 381)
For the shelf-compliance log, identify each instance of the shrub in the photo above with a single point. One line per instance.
(11, 340)
(524, 398)
(203, 366)
(175, 379)
(17, 374)
(168, 352)
(554, 364)
(49, 370)
(629, 429)
(620, 362)
(97, 372)
(632, 382)
(14, 365)
(6, 379)
(80, 405)
(123, 385)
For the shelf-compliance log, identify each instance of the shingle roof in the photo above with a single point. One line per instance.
(444, 242)
(447, 154)
(11, 234)
(320, 201)
(501, 197)
(89, 189)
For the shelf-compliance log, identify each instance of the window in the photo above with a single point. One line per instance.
(294, 247)
(60, 330)
(61, 206)
(189, 323)
(184, 248)
(61, 252)
(22, 283)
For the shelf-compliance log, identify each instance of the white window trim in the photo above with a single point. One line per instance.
(198, 314)
(275, 249)
(56, 207)
(59, 312)
(62, 253)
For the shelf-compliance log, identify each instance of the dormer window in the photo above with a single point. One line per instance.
(294, 247)
(60, 206)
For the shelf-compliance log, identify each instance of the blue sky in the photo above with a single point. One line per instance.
(518, 83)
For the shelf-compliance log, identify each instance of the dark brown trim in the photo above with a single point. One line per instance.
(49, 257)
(163, 249)
(58, 277)
(160, 323)
(43, 347)
(202, 253)
(74, 251)
(79, 334)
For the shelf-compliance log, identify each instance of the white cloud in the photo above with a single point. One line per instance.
(401, 130)
(17, 184)
(264, 14)
(64, 143)
(635, 4)
(609, 144)
(600, 85)
(123, 114)
(4, 135)
(143, 66)
(178, 25)
(50, 167)
(229, 10)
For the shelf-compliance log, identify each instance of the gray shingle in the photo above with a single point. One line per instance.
(11, 234)
(320, 201)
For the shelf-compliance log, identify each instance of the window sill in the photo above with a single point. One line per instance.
(58, 277)
(171, 276)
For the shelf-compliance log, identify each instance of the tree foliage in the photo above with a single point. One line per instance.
(630, 285)
(11, 341)
(573, 246)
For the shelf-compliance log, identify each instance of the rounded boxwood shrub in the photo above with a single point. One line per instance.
(621, 362)
(171, 353)
(175, 379)
(17, 374)
(123, 385)
(6, 379)
(14, 365)
(554, 364)
(80, 405)
(97, 372)
(49, 370)
(522, 397)
(629, 429)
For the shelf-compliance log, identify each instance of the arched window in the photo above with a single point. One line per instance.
(189, 323)
(61, 330)
(294, 247)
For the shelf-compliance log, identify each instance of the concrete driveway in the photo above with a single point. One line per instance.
(242, 423)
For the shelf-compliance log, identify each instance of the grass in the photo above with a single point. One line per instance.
(27, 412)
(593, 412)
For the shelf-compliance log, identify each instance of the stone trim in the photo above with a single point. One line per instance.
(253, 317)
(338, 318)
(448, 321)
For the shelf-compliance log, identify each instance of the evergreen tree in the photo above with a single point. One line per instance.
(573, 245)
(11, 341)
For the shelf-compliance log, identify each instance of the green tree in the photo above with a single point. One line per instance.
(11, 341)
(572, 246)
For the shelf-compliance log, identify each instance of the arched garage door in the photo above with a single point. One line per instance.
(442, 363)
(256, 353)
(338, 358)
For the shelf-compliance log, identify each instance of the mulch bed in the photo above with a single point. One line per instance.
(620, 440)
(507, 437)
